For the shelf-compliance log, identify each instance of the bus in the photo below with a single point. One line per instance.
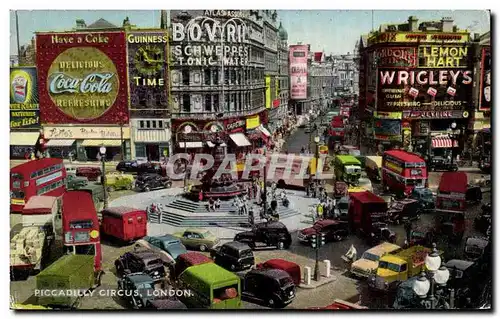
(80, 225)
(403, 171)
(45, 176)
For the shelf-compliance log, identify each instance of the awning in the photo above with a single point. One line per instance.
(443, 142)
(101, 143)
(190, 144)
(264, 130)
(210, 144)
(24, 138)
(240, 139)
(59, 143)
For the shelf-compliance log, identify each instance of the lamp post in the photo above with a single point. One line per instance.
(316, 140)
(437, 274)
(451, 135)
(122, 118)
(187, 130)
(102, 152)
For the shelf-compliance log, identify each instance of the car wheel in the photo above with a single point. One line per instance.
(168, 185)
(130, 186)
(233, 267)
(203, 248)
(281, 245)
(147, 189)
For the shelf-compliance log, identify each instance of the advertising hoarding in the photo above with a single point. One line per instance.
(298, 71)
(396, 57)
(485, 90)
(24, 107)
(83, 77)
(443, 56)
(423, 89)
(268, 92)
(148, 73)
(419, 37)
(387, 129)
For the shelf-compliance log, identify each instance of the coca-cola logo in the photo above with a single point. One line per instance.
(92, 83)
(83, 82)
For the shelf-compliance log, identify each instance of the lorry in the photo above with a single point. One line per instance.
(31, 240)
(367, 217)
(393, 269)
(347, 169)
(74, 273)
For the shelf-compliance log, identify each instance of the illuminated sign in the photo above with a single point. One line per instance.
(253, 122)
(395, 57)
(435, 114)
(48, 178)
(298, 71)
(24, 107)
(207, 42)
(415, 37)
(443, 56)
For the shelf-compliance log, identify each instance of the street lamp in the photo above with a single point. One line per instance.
(451, 135)
(437, 273)
(102, 152)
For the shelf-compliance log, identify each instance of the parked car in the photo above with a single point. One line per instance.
(273, 287)
(127, 166)
(365, 183)
(404, 210)
(138, 290)
(148, 181)
(74, 182)
(167, 246)
(266, 234)
(233, 255)
(124, 223)
(195, 238)
(92, 173)
(116, 181)
(291, 268)
(476, 247)
(368, 263)
(333, 229)
(380, 233)
(140, 262)
(440, 163)
(467, 279)
(70, 169)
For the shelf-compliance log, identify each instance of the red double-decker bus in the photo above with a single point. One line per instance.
(80, 226)
(403, 171)
(44, 176)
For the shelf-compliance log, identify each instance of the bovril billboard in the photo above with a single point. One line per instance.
(83, 77)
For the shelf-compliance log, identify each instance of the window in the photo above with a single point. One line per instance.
(81, 224)
(226, 76)
(153, 123)
(216, 77)
(148, 124)
(185, 76)
(216, 102)
(208, 103)
(207, 76)
(233, 76)
(141, 124)
(160, 124)
(186, 103)
(403, 267)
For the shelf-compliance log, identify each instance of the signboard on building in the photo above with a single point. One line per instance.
(268, 92)
(83, 77)
(253, 122)
(24, 107)
(396, 57)
(298, 71)
(387, 129)
(485, 86)
(424, 89)
(148, 73)
(443, 56)
(435, 114)
(208, 41)
(419, 37)
(85, 132)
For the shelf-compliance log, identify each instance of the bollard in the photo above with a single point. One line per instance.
(307, 275)
(327, 266)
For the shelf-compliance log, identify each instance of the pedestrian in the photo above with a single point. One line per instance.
(241, 206)
(319, 210)
(313, 214)
(200, 196)
(211, 204)
(32, 155)
(251, 217)
(217, 203)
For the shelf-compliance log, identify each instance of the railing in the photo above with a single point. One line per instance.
(213, 115)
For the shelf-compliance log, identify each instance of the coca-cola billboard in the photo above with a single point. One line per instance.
(83, 77)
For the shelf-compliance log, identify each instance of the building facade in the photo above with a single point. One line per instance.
(283, 77)
(345, 74)
(218, 61)
(321, 79)
(416, 85)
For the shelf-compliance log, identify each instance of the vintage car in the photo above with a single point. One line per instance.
(233, 256)
(127, 166)
(368, 263)
(334, 230)
(75, 182)
(342, 209)
(92, 173)
(148, 181)
(404, 210)
(272, 287)
(467, 278)
(439, 163)
(196, 238)
(381, 233)
(167, 246)
(140, 261)
(476, 247)
(70, 169)
(417, 237)
(424, 197)
(373, 167)
(266, 234)
(137, 289)
(290, 267)
(483, 222)
(365, 184)
(116, 181)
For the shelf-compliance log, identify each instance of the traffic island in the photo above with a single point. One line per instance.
(323, 280)
(308, 283)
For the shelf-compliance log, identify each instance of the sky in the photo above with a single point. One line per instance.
(334, 31)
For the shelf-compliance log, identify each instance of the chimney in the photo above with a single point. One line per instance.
(447, 24)
(412, 24)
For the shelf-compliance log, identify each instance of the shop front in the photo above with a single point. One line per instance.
(151, 139)
(193, 137)
(22, 144)
(84, 142)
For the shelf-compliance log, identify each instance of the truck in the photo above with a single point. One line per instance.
(393, 269)
(70, 273)
(31, 240)
(347, 169)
